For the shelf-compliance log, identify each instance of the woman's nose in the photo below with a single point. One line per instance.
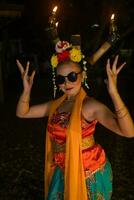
(66, 80)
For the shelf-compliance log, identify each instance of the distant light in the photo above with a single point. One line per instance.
(112, 17)
(95, 26)
(55, 9)
(57, 23)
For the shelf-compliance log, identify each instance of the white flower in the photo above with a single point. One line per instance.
(62, 46)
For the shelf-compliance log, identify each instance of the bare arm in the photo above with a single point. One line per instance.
(119, 122)
(23, 109)
(121, 125)
(123, 117)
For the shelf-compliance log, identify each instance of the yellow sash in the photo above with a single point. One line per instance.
(74, 185)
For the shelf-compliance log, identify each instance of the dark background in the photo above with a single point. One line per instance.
(23, 35)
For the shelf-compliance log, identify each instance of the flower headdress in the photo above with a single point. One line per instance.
(65, 51)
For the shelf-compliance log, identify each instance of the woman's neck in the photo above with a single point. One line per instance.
(72, 98)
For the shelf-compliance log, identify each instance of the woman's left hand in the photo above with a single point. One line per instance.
(112, 73)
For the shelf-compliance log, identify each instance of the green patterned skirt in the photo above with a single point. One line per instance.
(99, 186)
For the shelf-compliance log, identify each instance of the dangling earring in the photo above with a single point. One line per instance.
(85, 75)
(54, 82)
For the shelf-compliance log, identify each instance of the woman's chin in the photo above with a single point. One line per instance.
(71, 92)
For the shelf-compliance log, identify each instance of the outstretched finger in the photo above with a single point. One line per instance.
(108, 69)
(120, 68)
(20, 66)
(115, 64)
(32, 75)
(27, 68)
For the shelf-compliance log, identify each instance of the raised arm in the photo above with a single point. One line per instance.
(23, 109)
(121, 121)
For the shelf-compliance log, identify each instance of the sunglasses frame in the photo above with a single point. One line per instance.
(67, 76)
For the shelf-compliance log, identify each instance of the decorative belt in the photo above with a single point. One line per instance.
(87, 142)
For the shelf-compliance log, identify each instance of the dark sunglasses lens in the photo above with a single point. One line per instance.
(60, 79)
(72, 76)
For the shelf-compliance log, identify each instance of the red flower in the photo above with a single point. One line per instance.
(63, 56)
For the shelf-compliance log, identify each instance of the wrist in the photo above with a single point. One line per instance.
(25, 97)
(121, 111)
(26, 93)
(113, 92)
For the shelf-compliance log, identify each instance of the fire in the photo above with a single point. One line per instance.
(55, 9)
(57, 24)
(113, 16)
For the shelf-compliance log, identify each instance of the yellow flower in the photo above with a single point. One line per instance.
(75, 55)
(54, 61)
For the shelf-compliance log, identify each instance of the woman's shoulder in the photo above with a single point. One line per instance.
(93, 104)
(90, 106)
(90, 101)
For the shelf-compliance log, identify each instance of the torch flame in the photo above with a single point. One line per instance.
(55, 9)
(57, 24)
(112, 17)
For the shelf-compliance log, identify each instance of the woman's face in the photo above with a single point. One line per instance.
(67, 86)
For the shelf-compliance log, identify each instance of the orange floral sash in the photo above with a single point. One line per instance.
(75, 186)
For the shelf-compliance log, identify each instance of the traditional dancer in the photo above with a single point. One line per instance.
(76, 167)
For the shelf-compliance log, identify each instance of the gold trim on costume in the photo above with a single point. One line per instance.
(87, 142)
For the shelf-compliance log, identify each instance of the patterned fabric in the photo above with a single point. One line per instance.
(99, 185)
(56, 189)
(96, 168)
(93, 157)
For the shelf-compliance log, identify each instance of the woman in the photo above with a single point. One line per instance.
(76, 168)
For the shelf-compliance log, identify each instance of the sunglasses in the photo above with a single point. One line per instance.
(72, 77)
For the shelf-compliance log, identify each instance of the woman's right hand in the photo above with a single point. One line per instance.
(27, 80)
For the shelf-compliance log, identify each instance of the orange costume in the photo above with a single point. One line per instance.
(70, 145)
